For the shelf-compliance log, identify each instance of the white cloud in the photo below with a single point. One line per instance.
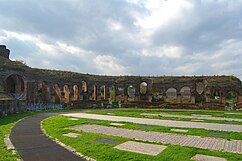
(161, 12)
(109, 65)
(163, 51)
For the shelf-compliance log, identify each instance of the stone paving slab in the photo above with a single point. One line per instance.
(197, 120)
(179, 130)
(199, 157)
(233, 113)
(108, 141)
(218, 133)
(116, 124)
(204, 117)
(143, 148)
(72, 135)
(169, 123)
(234, 146)
(73, 119)
(200, 115)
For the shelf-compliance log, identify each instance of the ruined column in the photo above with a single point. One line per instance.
(193, 99)
(76, 92)
(223, 100)
(239, 99)
(67, 94)
(105, 95)
(178, 98)
(115, 92)
(95, 92)
(208, 98)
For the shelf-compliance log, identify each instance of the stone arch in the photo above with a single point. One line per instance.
(185, 94)
(84, 90)
(84, 87)
(43, 92)
(131, 93)
(120, 94)
(143, 88)
(15, 86)
(171, 95)
(103, 92)
(112, 93)
(231, 99)
(216, 94)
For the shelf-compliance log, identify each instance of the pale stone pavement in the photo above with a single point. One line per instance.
(169, 123)
(201, 117)
(234, 146)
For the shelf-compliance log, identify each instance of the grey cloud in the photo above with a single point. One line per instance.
(86, 24)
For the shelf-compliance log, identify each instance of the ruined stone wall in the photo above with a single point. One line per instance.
(4, 52)
(48, 86)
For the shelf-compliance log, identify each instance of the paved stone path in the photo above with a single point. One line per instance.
(170, 123)
(234, 146)
(199, 157)
(33, 145)
(201, 117)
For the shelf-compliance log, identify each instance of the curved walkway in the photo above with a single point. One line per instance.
(170, 123)
(33, 145)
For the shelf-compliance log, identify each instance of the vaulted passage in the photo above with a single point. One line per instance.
(15, 86)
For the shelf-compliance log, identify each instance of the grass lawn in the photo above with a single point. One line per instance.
(86, 144)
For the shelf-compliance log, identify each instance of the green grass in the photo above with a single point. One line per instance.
(55, 126)
(6, 125)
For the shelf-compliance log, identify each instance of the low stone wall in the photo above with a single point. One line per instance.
(213, 106)
(141, 104)
(88, 104)
(161, 105)
(11, 106)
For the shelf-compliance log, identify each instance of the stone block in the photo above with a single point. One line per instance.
(142, 148)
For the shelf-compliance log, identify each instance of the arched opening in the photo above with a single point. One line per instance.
(76, 92)
(171, 94)
(84, 90)
(157, 97)
(231, 100)
(112, 94)
(11, 85)
(185, 94)
(84, 86)
(120, 94)
(103, 92)
(58, 95)
(43, 95)
(215, 96)
(143, 88)
(15, 86)
(131, 93)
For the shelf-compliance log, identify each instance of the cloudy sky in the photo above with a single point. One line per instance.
(126, 37)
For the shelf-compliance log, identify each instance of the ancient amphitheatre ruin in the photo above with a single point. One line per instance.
(23, 88)
(32, 86)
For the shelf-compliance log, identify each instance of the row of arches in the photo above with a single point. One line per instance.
(16, 86)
